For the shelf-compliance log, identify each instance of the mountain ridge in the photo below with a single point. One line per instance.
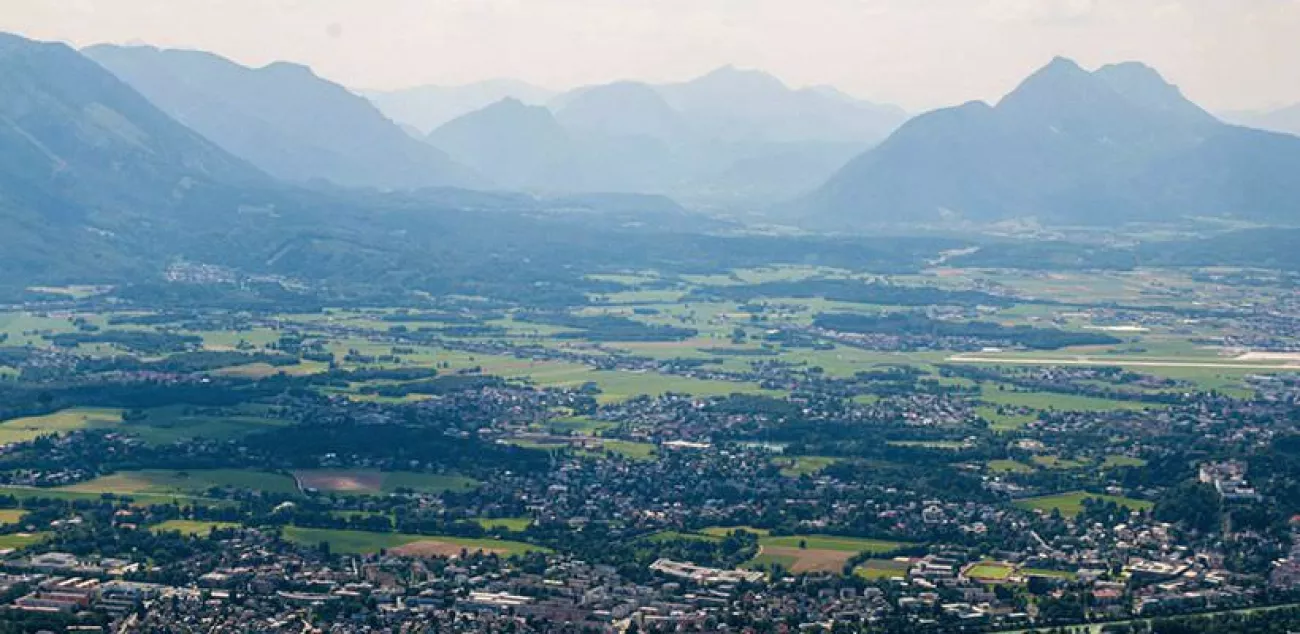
(1065, 146)
(283, 118)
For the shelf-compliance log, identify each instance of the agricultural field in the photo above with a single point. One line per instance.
(815, 553)
(372, 482)
(166, 425)
(191, 527)
(11, 516)
(185, 483)
(18, 541)
(723, 531)
(1008, 466)
(1070, 504)
(24, 429)
(362, 542)
(1122, 462)
(512, 524)
(879, 569)
(1045, 401)
(638, 451)
(1056, 462)
(797, 466)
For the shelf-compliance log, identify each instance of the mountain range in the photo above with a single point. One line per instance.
(100, 183)
(284, 119)
(729, 137)
(1067, 146)
(424, 108)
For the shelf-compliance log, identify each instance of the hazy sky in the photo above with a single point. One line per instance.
(1226, 54)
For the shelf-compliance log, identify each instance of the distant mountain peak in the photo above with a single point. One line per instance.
(1062, 64)
(1115, 145)
(1055, 75)
(1143, 86)
(731, 72)
(288, 68)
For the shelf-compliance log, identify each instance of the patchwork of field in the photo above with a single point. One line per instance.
(362, 542)
(373, 482)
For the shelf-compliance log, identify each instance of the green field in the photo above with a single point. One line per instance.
(25, 429)
(638, 451)
(513, 524)
(1047, 401)
(191, 527)
(767, 560)
(195, 482)
(878, 569)
(796, 466)
(577, 425)
(826, 542)
(165, 425)
(990, 571)
(362, 542)
(1070, 504)
(1117, 461)
(669, 536)
(1052, 574)
(1008, 466)
(21, 540)
(1004, 422)
(723, 531)
(137, 499)
(1059, 463)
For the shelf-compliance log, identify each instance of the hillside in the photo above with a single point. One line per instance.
(87, 164)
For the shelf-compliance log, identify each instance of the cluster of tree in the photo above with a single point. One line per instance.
(1192, 504)
(396, 444)
(179, 363)
(142, 341)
